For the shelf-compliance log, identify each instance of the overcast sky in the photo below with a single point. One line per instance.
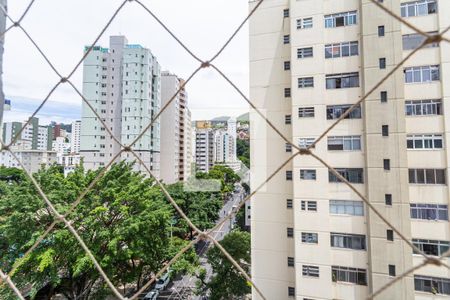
(63, 28)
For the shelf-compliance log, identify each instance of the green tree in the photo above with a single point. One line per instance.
(223, 173)
(243, 151)
(202, 208)
(124, 220)
(227, 282)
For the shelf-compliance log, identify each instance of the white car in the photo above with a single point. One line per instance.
(162, 283)
(152, 295)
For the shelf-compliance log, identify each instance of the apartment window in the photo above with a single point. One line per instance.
(305, 82)
(341, 49)
(288, 147)
(287, 65)
(286, 39)
(291, 291)
(309, 205)
(286, 13)
(388, 199)
(418, 8)
(423, 107)
(290, 232)
(434, 285)
(386, 164)
(391, 270)
(311, 271)
(306, 112)
(346, 274)
(287, 92)
(304, 23)
(424, 141)
(345, 143)
(289, 203)
(381, 30)
(431, 247)
(288, 175)
(340, 19)
(290, 262)
(414, 40)
(309, 238)
(343, 80)
(353, 175)
(390, 235)
(336, 111)
(308, 174)
(426, 176)
(305, 142)
(348, 241)
(424, 211)
(384, 130)
(383, 96)
(287, 119)
(346, 207)
(382, 63)
(305, 52)
(422, 74)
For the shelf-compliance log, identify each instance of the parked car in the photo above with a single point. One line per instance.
(152, 295)
(163, 281)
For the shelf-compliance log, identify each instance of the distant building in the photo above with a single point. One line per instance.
(75, 137)
(215, 145)
(32, 160)
(123, 85)
(175, 130)
(40, 136)
(204, 149)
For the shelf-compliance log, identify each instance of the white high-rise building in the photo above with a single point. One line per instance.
(174, 135)
(123, 84)
(75, 137)
(204, 149)
(40, 136)
(312, 236)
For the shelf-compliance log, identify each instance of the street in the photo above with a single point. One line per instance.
(185, 286)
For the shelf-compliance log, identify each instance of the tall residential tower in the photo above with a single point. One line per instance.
(175, 130)
(312, 237)
(123, 84)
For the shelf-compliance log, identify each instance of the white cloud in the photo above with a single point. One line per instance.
(63, 28)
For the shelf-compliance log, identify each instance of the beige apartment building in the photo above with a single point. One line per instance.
(312, 237)
(176, 157)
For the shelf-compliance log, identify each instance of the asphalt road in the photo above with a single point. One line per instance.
(183, 288)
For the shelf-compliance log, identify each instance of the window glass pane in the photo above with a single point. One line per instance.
(345, 49)
(430, 176)
(420, 173)
(440, 176)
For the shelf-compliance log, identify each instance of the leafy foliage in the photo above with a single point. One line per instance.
(243, 151)
(223, 173)
(227, 282)
(124, 220)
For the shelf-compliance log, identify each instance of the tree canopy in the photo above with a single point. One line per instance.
(227, 282)
(124, 220)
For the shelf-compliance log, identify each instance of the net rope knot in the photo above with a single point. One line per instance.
(304, 151)
(436, 38)
(433, 261)
(205, 64)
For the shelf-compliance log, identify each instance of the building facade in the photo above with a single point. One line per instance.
(174, 122)
(204, 149)
(75, 137)
(123, 84)
(40, 136)
(312, 237)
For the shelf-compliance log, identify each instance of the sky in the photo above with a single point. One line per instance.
(63, 28)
